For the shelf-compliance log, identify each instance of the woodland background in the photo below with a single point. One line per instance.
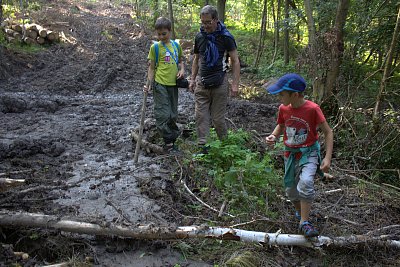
(348, 51)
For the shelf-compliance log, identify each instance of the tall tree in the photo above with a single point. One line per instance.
(276, 16)
(286, 34)
(1, 11)
(310, 22)
(324, 54)
(171, 17)
(221, 9)
(263, 30)
(337, 54)
(388, 66)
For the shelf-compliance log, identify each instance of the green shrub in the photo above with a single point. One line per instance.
(244, 177)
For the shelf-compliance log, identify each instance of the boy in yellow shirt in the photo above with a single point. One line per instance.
(164, 72)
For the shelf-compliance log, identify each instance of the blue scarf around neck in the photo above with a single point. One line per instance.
(211, 55)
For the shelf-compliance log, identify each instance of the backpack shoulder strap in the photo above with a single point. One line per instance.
(176, 45)
(156, 51)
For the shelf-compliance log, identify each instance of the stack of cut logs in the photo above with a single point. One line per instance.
(28, 33)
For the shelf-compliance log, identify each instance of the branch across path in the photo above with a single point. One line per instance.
(23, 219)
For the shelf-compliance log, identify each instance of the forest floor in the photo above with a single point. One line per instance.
(66, 114)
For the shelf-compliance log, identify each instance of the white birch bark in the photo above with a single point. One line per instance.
(21, 219)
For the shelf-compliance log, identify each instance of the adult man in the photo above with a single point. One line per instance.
(213, 46)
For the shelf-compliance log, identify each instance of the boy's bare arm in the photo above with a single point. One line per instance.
(328, 134)
(150, 75)
(181, 72)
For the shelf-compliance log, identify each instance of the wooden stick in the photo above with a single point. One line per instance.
(142, 116)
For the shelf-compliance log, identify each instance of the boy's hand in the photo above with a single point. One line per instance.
(147, 86)
(180, 74)
(325, 165)
(270, 140)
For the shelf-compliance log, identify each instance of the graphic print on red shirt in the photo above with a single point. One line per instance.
(300, 124)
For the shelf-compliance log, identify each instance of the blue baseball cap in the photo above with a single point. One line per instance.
(290, 82)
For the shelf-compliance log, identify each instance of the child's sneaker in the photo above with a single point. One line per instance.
(297, 215)
(308, 230)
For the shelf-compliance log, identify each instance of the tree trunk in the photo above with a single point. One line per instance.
(22, 219)
(221, 9)
(337, 52)
(1, 11)
(310, 22)
(388, 67)
(276, 30)
(171, 18)
(286, 34)
(156, 9)
(262, 35)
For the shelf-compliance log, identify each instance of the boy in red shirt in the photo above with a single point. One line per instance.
(298, 120)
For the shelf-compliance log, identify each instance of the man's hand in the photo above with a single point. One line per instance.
(234, 90)
(192, 85)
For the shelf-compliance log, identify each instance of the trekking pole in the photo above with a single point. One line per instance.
(142, 116)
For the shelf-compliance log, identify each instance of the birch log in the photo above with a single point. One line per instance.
(23, 219)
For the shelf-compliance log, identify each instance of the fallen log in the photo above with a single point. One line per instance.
(23, 219)
(29, 40)
(16, 27)
(31, 33)
(147, 145)
(7, 183)
(52, 36)
(40, 40)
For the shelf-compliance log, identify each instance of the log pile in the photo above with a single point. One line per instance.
(28, 33)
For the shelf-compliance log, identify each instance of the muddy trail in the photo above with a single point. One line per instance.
(66, 117)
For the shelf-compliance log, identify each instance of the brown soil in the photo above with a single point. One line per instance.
(66, 115)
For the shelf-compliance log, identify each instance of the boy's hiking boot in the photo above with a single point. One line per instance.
(204, 149)
(308, 230)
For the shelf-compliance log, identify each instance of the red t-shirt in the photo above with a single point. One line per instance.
(300, 124)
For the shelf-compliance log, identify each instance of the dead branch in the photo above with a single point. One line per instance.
(15, 172)
(22, 219)
(119, 210)
(145, 144)
(183, 182)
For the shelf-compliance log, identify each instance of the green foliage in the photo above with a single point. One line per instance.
(279, 68)
(374, 149)
(244, 177)
(9, 10)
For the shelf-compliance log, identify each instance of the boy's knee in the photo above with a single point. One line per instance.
(306, 189)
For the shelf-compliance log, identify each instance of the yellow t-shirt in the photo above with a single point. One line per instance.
(166, 69)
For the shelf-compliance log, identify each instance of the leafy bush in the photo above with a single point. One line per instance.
(245, 178)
